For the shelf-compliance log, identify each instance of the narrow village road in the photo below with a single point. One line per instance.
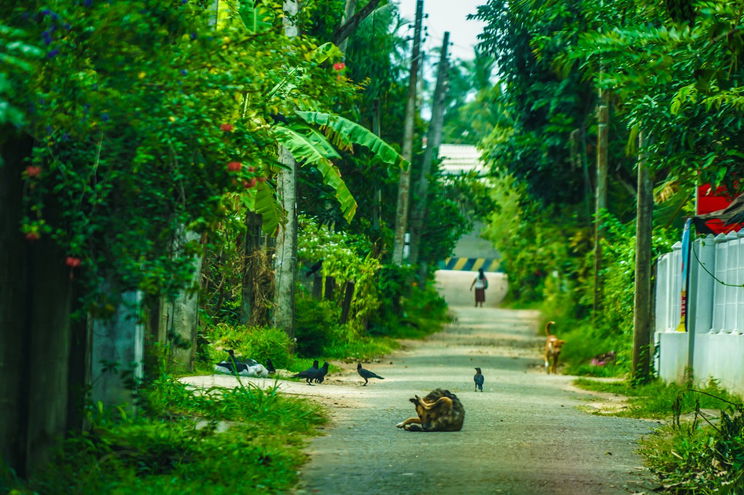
(524, 435)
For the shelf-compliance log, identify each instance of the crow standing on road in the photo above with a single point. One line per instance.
(322, 372)
(366, 374)
(478, 379)
(309, 374)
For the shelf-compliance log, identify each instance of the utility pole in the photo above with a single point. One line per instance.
(642, 297)
(404, 183)
(433, 140)
(603, 120)
(285, 268)
(348, 13)
(377, 194)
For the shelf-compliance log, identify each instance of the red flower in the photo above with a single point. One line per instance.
(72, 261)
(261, 179)
(234, 166)
(251, 168)
(32, 236)
(339, 66)
(33, 171)
(249, 183)
(226, 127)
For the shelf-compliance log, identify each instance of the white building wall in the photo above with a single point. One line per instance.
(715, 312)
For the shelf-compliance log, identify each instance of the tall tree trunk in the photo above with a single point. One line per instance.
(330, 288)
(404, 183)
(603, 120)
(433, 140)
(286, 242)
(253, 265)
(642, 309)
(346, 304)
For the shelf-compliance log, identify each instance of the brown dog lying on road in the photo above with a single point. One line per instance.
(441, 410)
(553, 347)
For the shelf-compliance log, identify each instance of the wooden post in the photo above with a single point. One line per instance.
(603, 119)
(642, 303)
(346, 304)
(404, 183)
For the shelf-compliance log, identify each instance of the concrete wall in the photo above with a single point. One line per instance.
(40, 377)
(472, 245)
(716, 356)
(715, 312)
(454, 286)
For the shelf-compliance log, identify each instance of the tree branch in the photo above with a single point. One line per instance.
(350, 26)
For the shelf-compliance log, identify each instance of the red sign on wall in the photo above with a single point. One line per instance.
(710, 200)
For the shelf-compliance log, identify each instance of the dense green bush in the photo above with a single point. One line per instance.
(217, 441)
(253, 342)
(316, 325)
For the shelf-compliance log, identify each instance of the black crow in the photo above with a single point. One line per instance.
(270, 366)
(246, 361)
(322, 373)
(478, 379)
(366, 374)
(309, 374)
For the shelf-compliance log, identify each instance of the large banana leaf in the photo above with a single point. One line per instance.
(309, 147)
(352, 132)
(261, 200)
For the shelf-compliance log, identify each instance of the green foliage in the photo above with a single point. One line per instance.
(554, 267)
(17, 56)
(316, 325)
(409, 310)
(699, 451)
(135, 119)
(360, 348)
(538, 112)
(678, 82)
(347, 258)
(252, 342)
(245, 439)
(660, 400)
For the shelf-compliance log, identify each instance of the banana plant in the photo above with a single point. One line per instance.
(310, 147)
(312, 138)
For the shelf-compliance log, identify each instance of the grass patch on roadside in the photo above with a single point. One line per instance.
(700, 449)
(216, 441)
(656, 400)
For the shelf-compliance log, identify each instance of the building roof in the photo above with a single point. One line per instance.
(460, 158)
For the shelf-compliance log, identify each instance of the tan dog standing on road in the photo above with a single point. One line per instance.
(553, 347)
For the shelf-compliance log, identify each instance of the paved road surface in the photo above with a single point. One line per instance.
(523, 436)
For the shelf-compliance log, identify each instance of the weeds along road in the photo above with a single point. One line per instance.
(523, 435)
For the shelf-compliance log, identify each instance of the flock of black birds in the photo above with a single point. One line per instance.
(317, 374)
(313, 373)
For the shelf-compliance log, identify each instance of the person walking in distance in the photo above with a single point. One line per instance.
(481, 284)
